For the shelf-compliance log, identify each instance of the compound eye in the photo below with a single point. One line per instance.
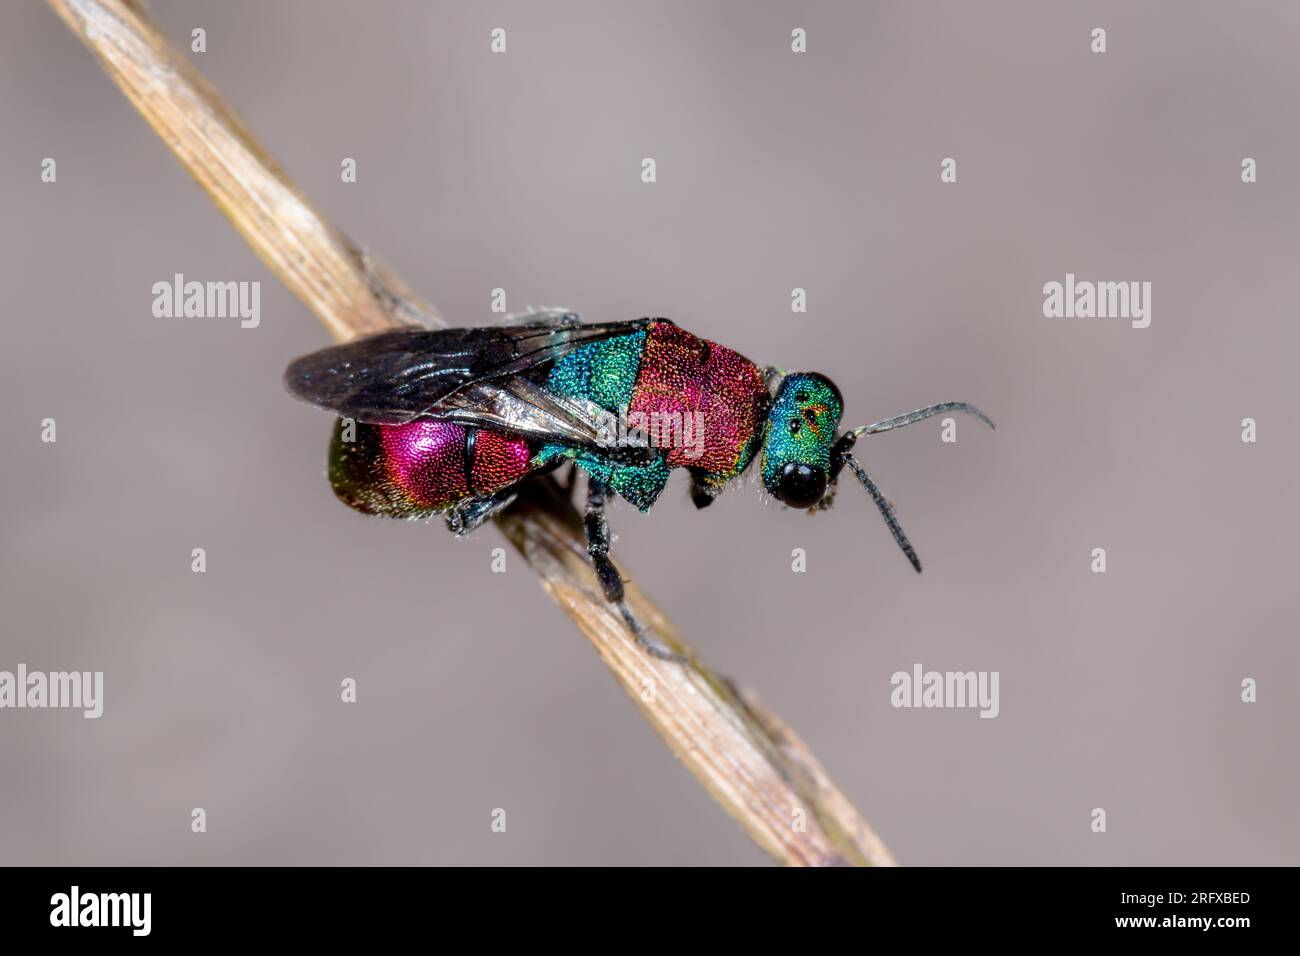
(801, 486)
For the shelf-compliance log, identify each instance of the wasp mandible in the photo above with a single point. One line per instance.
(452, 421)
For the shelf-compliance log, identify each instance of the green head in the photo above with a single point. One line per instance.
(803, 456)
(800, 435)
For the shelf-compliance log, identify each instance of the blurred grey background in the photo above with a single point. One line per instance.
(775, 171)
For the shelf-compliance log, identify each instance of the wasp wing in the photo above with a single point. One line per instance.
(522, 407)
(474, 376)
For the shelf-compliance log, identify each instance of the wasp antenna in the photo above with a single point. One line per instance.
(898, 421)
(886, 510)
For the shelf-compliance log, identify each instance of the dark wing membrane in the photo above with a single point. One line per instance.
(399, 376)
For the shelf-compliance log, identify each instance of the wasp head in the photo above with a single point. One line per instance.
(797, 460)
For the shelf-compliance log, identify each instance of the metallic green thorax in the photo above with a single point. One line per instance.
(801, 425)
(605, 372)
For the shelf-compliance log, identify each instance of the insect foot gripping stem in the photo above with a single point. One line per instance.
(652, 645)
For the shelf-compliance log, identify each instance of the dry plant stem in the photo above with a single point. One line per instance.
(748, 760)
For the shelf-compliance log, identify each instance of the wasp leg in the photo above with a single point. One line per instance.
(653, 646)
(611, 582)
(597, 530)
(700, 495)
(468, 515)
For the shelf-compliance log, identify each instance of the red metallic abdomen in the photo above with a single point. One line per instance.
(423, 467)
